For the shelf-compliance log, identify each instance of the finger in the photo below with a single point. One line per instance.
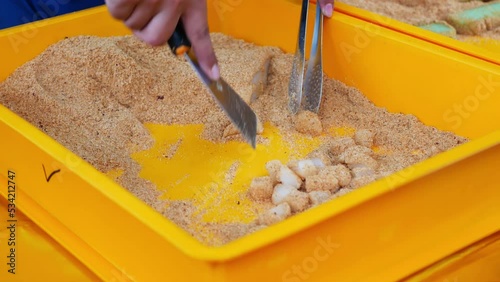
(121, 9)
(196, 26)
(160, 28)
(141, 15)
(326, 7)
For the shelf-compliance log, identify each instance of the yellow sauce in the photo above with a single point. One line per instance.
(187, 167)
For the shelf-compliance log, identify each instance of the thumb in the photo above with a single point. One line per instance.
(326, 7)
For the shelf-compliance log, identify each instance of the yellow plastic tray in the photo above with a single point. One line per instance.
(416, 223)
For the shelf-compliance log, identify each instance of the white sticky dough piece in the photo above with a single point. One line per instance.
(319, 197)
(275, 214)
(318, 162)
(288, 177)
(303, 168)
(297, 200)
(281, 192)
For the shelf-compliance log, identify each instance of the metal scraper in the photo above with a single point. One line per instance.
(235, 108)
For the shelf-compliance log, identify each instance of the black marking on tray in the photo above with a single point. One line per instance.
(51, 174)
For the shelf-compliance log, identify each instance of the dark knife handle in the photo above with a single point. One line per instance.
(179, 42)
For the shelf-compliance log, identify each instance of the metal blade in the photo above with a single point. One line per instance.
(297, 75)
(235, 108)
(313, 87)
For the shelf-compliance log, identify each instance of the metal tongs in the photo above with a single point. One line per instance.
(313, 86)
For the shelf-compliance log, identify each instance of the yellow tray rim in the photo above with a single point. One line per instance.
(193, 248)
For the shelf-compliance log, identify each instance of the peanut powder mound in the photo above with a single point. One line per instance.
(94, 96)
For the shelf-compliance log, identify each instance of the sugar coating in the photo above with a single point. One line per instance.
(273, 167)
(293, 165)
(364, 137)
(231, 130)
(308, 122)
(342, 173)
(432, 151)
(287, 176)
(261, 188)
(339, 145)
(358, 155)
(304, 168)
(412, 3)
(341, 192)
(362, 175)
(260, 127)
(319, 197)
(362, 170)
(358, 159)
(275, 214)
(297, 200)
(320, 155)
(358, 149)
(325, 180)
(361, 181)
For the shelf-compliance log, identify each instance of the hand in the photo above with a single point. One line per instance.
(326, 7)
(154, 21)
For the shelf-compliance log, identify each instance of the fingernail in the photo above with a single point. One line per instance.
(214, 72)
(328, 10)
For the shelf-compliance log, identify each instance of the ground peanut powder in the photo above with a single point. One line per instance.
(93, 95)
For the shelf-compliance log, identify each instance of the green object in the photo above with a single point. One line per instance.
(441, 28)
(476, 21)
(480, 13)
